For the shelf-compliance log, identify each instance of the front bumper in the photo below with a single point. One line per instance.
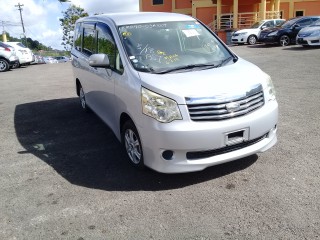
(269, 39)
(185, 137)
(239, 39)
(308, 41)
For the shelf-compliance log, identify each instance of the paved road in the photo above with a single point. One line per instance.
(63, 174)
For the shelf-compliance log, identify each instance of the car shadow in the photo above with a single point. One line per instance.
(300, 48)
(261, 45)
(84, 151)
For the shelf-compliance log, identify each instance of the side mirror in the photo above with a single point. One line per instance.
(263, 27)
(296, 26)
(99, 60)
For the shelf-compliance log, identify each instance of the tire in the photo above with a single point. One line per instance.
(132, 144)
(82, 99)
(16, 65)
(4, 65)
(252, 40)
(284, 40)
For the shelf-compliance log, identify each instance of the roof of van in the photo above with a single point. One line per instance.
(140, 17)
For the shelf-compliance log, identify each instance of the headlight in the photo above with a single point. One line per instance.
(270, 91)
(315, 33)
(159, 107)
(243, 33)
(273, 33)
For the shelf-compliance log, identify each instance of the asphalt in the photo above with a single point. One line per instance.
(63, 174)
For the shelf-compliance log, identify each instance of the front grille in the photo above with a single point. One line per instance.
(229, 107)
(219, 151)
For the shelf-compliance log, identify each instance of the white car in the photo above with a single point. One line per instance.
(309, 36)
(173, 94)
(250, 35)
(7, 57)
(24, 54)
(50, 60)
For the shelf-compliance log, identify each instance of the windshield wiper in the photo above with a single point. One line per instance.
(226, 60)
(186, 67)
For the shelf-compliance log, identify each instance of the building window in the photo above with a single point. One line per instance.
(157, 2)
(299, 13)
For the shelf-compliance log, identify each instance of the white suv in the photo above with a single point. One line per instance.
(250, 35)
(24, 54)
(7, 57)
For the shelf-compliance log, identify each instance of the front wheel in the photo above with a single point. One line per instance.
(4, 65)
(132, 144)
(82, 99)
(252, 39)
(284, 40)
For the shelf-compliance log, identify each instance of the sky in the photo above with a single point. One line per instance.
(41, 17)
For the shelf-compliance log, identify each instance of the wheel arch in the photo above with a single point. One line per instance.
(78, 84)
(124, 118)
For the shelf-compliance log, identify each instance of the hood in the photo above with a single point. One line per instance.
(310, 29)
(223, 82)
(269, 30)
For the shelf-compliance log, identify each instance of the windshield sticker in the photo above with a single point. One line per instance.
(140, 26)
(190, 32)
(126, 34)
(191, 26)
(171, 58)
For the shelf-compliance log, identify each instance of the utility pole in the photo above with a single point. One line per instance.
(24, 32)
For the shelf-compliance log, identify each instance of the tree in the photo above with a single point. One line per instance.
(70, 16)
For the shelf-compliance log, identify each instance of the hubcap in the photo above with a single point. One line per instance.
(252, 40)
(132, 146)
(284, 41)
(2, 66)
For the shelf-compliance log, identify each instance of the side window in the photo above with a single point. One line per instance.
(269, 24)
(107, 45)
(304, 22)
(77, 37)
(89, 39)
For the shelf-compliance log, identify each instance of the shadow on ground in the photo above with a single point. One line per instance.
(83, 150)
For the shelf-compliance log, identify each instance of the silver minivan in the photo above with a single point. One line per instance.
(171, 91)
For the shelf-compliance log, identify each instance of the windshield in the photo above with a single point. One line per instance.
(289, 23)
(317, 23)
(164, 47)
(257, 24)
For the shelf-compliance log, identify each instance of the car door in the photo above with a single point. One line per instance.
(104, 80)
(298, 26)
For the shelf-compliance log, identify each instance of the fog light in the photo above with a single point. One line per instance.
(167, 155)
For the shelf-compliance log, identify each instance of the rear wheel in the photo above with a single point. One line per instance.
(252, 39)
(132, 144)
(284, 40)
(4, 65)
(16, 65)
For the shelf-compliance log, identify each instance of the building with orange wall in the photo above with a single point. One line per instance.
(234, 14)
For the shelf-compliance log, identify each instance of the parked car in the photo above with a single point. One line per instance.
(7, 57)
(309, 36)
(62, 59)
(286, 33)
(38, 60)
(251, 35)
(176, 97)
(24, 54)
(50, 60)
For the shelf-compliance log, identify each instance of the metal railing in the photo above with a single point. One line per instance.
(245, 19)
